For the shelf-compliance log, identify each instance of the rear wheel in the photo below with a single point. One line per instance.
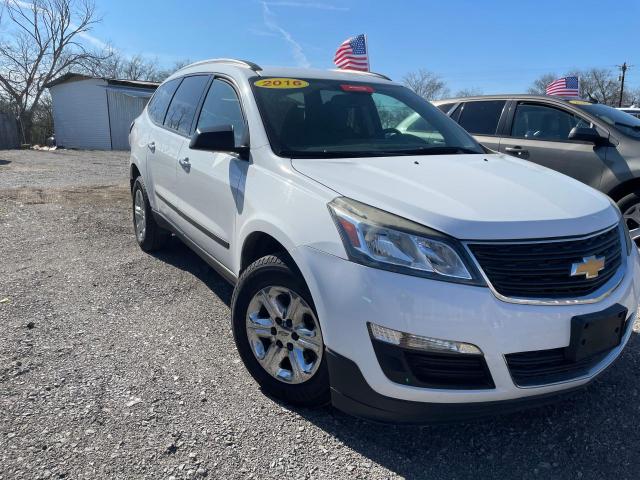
(630, 208)
(149, 234)
(277, 333)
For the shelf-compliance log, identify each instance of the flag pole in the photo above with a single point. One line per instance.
(366, 45)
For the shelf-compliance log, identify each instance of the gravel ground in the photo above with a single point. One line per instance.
(119, 364)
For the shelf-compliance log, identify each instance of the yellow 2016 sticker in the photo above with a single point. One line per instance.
(281, 83)
(579, 102)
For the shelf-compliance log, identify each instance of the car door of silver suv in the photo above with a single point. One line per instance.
(539, 133)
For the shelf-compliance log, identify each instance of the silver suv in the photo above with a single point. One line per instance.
(593, 143)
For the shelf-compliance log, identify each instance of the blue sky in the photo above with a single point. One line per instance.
(494, 46)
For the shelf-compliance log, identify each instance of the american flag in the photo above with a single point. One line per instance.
(352, 54)
(564, 87)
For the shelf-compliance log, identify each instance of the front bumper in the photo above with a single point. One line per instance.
(348, 295)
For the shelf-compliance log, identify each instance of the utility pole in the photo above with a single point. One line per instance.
(623, 68)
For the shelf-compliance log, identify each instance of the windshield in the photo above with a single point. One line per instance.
(621, 121)
(329, 118)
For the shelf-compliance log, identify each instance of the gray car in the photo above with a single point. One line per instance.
(593, 143)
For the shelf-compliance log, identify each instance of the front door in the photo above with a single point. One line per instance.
(539, 133)
(208, 181)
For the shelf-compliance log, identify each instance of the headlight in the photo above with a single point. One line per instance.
(379, 239)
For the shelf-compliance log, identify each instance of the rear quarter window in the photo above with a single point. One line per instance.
(157, 107)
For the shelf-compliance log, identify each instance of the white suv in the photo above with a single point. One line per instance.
(404, 274)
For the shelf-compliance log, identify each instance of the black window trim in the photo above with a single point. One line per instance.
(230, 81)
(517, 103)
(501, 119)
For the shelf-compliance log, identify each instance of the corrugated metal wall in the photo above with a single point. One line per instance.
(123, 109)
(9, 137)
(80, 114)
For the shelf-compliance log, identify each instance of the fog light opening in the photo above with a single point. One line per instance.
(419, 342)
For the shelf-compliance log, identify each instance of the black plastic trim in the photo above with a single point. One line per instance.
(183, 215)
(351, 394)
(428, 369)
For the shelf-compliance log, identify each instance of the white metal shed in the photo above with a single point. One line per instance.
(95, 113)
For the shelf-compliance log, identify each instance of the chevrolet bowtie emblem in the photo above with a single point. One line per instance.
(589, 267)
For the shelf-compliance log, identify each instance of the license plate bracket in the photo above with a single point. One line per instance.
(596, 333)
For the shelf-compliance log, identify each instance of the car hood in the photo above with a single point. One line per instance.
(479, 197)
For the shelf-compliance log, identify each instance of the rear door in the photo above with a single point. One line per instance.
(481, 118)
(162, 148)
(539, 133)
(208, 183)
(178, 123)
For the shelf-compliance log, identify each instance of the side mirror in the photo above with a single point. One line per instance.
(217, 139)
(587, 134)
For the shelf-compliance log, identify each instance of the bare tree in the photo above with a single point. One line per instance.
(632, 97)
(41, 40)
(539, 85)
(137, 67)
(596, 84)
(177, 65)
(599, 84)
(469, 92)
(426, 84)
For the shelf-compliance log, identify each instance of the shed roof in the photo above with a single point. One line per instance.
(72, 77)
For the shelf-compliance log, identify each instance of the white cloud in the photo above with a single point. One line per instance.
(94, 40)
(296, 49)
(317, 5)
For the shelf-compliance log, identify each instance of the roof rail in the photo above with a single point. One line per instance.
(253, 66)
(379, 75)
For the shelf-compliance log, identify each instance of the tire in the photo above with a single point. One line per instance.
(295, 370)
(149, 235)
(630, 207)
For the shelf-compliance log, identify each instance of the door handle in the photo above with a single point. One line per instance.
(152, 146)
(185, 163)
(517, 152)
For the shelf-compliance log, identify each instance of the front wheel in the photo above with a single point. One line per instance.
(630, 208)
(277, 333)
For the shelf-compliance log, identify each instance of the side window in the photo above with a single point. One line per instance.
(184, 104)
(540, 122)
(481, 118)
(222, 107)
(160, 101)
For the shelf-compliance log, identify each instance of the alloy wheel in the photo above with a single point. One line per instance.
(284, 334)
(632, 218)
(139, 215)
